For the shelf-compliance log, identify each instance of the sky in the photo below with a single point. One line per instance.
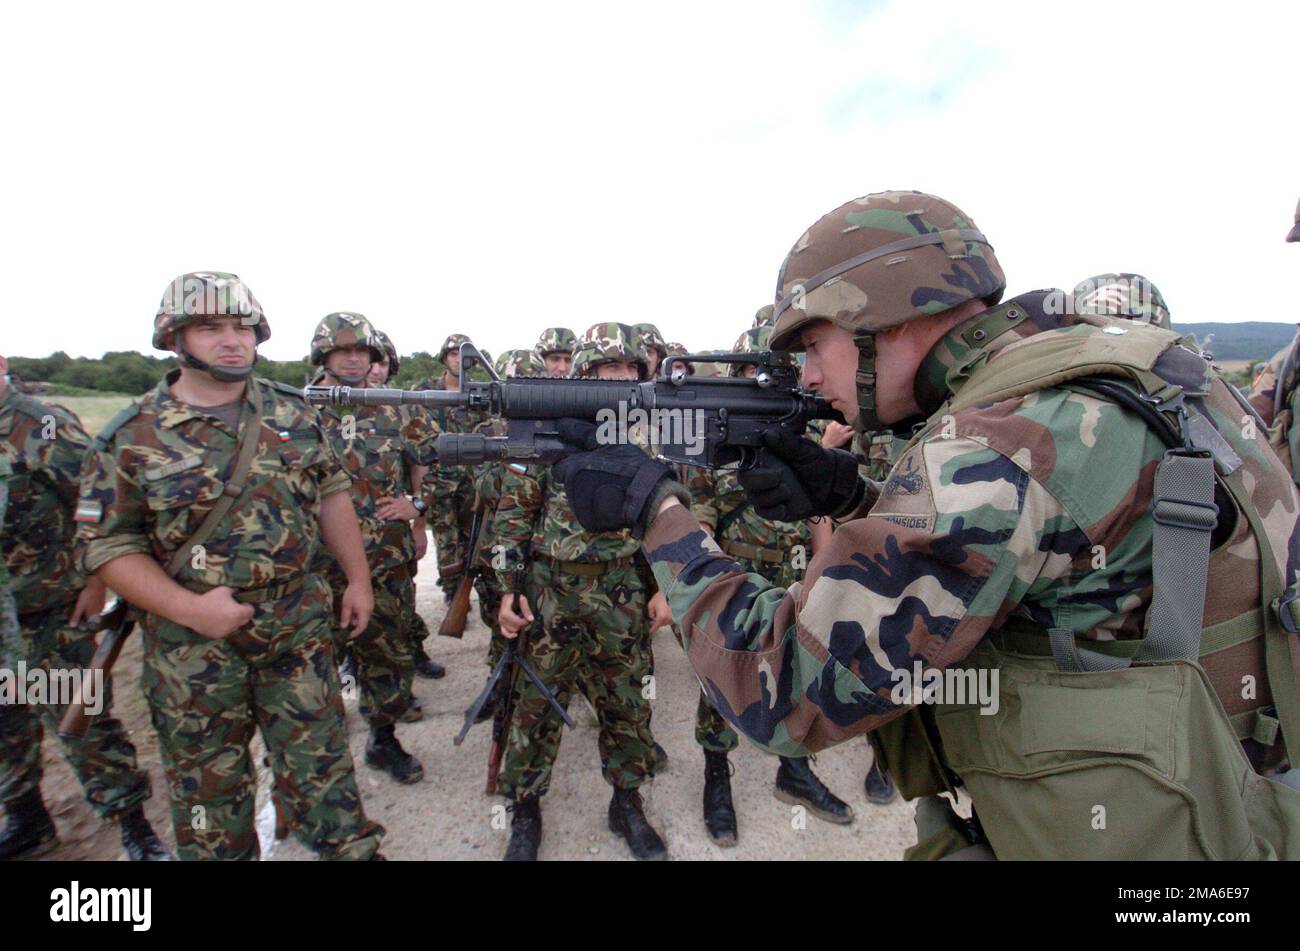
(493, 169)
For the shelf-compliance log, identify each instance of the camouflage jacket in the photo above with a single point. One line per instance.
(378, 447)
(717, 499)
(1263, 388)
(998, 510)
(46, 447)
(151, 477)
(11, 647)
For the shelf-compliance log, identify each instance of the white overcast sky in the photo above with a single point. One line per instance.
(494, 168)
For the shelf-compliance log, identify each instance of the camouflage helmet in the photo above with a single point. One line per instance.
(344, 329)
(763, 316)
(1130, 296)
(753, 340)
(880, 261)
(604, 343)
(452, 342)
(651, 339)
(556, 340)
(520, 363)
(199, 294)
(386, 345)
(1294, 234)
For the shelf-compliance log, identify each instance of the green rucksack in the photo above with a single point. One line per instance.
(1117, 749)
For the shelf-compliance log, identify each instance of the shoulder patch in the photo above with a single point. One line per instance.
(518, 467)
(117, 422)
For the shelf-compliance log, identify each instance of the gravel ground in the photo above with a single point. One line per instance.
(448, 815)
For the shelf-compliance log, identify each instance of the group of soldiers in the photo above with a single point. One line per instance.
(304, 586)
(1056, 489)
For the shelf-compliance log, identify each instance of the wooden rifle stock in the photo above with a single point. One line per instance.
(453, 623)
(117, 624)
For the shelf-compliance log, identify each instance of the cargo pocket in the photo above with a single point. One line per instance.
(1122, 764)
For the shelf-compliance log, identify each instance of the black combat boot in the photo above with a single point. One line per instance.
(880, 788)
(798, 785)
(384, 752)
(525, 831)
(719, 813)
(661, 758)
(426, 667)
(494, 701)
(29, 830)
(139, 839)
(627, 818)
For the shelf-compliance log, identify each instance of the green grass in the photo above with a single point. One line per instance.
(95, 411)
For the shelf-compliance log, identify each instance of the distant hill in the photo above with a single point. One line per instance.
(1250, 340)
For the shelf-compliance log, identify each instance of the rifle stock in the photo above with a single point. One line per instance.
(117, 622)
(453, 623)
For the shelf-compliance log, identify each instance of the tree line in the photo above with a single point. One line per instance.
(135, 373)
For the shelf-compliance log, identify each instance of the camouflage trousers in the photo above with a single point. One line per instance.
(277, 675)
(594, 638)
(383, 651)
(449, 521)
(412, 621)
(104, 759)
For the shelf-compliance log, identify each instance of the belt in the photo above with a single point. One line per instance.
(272, 592)
(586, 569)
(773, 556)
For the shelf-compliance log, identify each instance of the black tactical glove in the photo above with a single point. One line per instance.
(796, 479)
(610, 488)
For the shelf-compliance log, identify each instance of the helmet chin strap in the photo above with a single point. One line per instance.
(349, 380)
(221, 374)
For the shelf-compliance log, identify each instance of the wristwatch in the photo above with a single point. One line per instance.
(421, 506)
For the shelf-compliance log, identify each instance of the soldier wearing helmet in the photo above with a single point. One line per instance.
(202, 505)
(591, 597)
(46, 600)
(779, 552)
(555, 348)
(999, 544)
(520, 363)
(208, 299)
(388, 365)
(763, 316)
(386, 451)
(652, 342)
(382, 373)
(1128, 296)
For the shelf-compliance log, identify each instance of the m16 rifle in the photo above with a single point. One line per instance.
(711, 422)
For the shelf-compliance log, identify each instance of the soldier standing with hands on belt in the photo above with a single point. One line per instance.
(202, 504)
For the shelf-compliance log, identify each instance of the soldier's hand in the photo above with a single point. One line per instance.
(658, 612)
(609, 488)
(219, 615)
(512, 623)
(90, 602)
(837, 435)
(421, 539)
(396, 509)
(356, 606)
(796, 479)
